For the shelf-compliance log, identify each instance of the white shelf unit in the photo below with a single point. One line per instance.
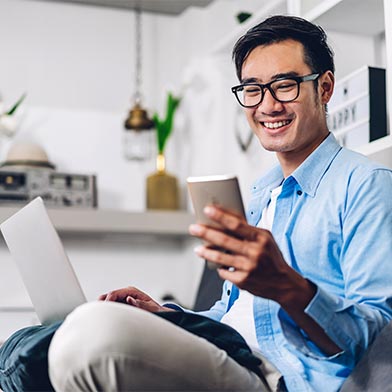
(113, 222)
(363, 17)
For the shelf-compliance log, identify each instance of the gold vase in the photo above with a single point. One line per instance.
(162, 188)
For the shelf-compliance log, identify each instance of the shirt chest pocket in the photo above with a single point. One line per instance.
(314, 242)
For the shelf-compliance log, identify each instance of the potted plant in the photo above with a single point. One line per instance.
(162, 188)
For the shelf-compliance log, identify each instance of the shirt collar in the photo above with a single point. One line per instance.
(308, 175)
(269, 181)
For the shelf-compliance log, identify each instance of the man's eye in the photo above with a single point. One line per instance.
(251, 90)
(284, 85)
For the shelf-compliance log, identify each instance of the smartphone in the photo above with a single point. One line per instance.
(220, 190)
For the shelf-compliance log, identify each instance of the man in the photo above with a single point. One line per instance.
(307, 277)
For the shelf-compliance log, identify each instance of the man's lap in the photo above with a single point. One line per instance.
(151, 353)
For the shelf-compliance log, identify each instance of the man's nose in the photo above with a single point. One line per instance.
(269, 104)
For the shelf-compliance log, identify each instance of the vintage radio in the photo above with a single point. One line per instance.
(56, 189)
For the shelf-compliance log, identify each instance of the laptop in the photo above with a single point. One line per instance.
(42, 262)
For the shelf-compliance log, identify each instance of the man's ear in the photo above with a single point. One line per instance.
(327, 84)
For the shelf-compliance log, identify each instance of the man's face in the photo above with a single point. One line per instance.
(293, 129)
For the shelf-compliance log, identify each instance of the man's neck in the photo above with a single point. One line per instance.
(290, 161)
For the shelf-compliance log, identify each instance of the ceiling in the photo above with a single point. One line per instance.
(168, 7)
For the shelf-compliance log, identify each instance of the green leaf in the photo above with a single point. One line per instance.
(164, 127)
(243, 16)
(19, 101)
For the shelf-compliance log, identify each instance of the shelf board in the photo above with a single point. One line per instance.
(96, 221)
(17, 309)
(272, 7)
(379, 150)
(366, 17)
(171, 8)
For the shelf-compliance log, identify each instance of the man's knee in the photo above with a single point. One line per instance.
(94, 332)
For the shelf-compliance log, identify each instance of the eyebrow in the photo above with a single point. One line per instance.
(274, 77)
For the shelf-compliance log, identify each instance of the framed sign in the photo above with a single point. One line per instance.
(357, 112)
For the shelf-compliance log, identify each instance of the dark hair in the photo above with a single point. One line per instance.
(318, 54)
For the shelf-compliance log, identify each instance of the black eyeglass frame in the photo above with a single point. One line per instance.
(297, 79)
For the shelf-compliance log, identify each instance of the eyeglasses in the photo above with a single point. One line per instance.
(283, 90)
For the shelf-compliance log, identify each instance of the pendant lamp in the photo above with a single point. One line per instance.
(139, 137)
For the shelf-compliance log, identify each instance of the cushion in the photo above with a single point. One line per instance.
(373, 372)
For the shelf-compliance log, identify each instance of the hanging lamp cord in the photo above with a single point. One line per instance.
(138, 57)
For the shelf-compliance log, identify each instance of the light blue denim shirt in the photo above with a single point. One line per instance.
(333, 224)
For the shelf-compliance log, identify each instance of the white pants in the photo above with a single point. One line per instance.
(108, 346)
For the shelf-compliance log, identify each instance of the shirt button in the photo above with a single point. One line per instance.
(251, 212)
(228, 292)
(299, 193)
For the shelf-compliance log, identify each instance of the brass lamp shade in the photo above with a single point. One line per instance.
(138, 119)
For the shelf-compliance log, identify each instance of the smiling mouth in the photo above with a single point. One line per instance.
(275, 124)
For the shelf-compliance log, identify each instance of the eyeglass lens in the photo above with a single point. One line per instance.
(282, 90)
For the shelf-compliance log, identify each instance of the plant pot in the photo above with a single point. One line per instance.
(162, 188)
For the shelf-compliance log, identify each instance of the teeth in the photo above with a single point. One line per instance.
(274, 125)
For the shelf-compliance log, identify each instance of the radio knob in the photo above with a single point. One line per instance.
(67, 201)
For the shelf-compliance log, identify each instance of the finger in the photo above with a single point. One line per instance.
(232, 222)
(102, 297)
(148, 305)
(226, 210)
(138, 294)
(112, 297)
(222, 240)
(237, 277)
(117, 295)
(231, 261)
(131, 301)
